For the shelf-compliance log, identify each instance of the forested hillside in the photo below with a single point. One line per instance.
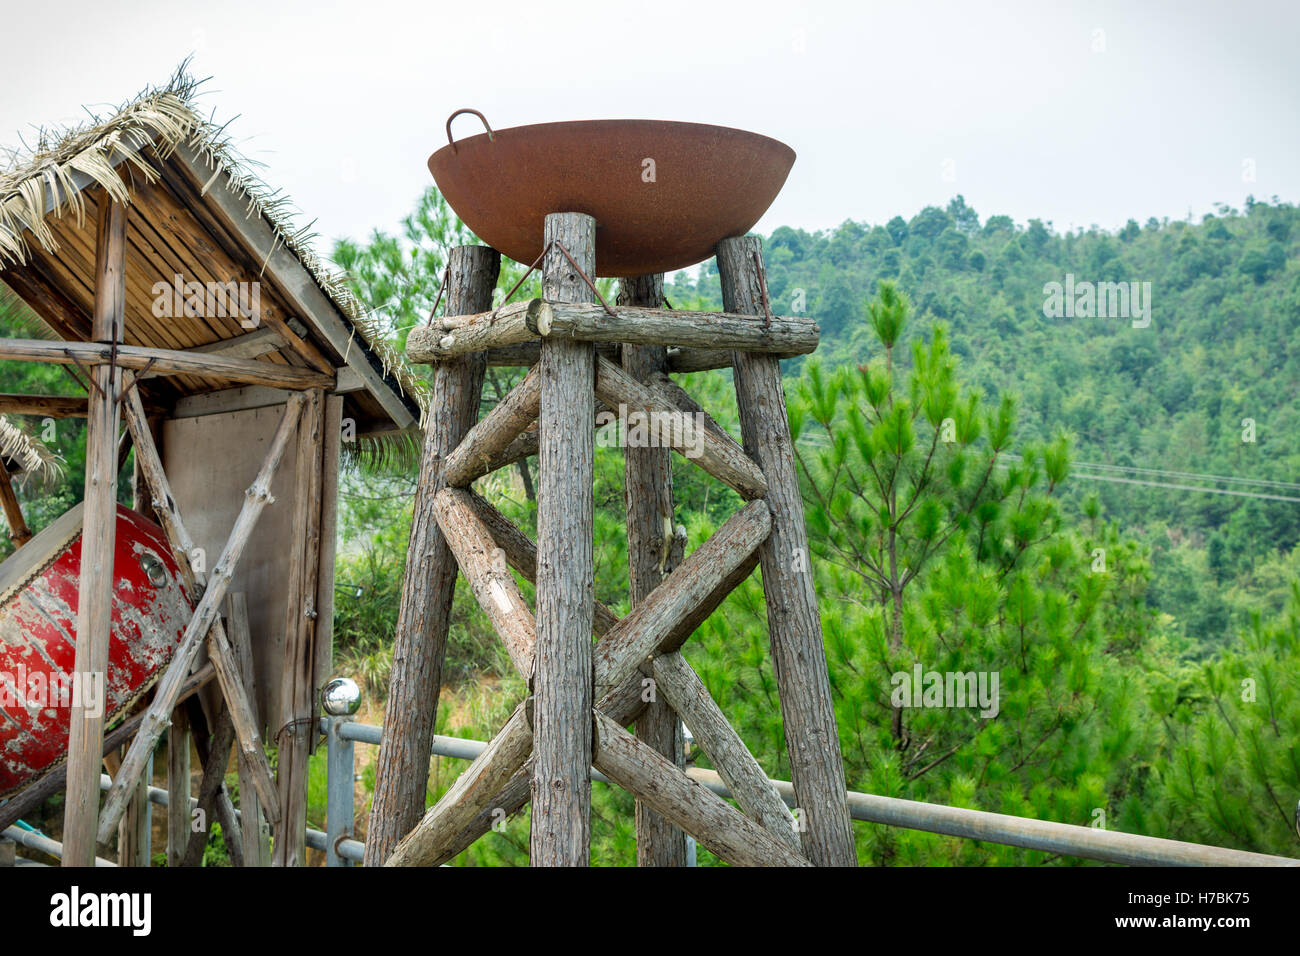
(1216, 359)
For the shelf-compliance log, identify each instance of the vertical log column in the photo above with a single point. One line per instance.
(98, 535)
(562, 719)
(648, 490)
(794, 626)
(297, 687)
(422, 619)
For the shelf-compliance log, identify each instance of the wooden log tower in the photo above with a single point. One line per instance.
(582, 695)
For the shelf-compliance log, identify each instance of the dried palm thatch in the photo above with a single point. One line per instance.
(25, 457)
(46, 180)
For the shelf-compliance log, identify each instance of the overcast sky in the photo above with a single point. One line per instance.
(1074, 112)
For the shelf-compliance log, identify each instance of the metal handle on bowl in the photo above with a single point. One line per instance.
(451, 143)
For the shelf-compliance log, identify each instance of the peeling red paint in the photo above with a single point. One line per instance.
(38, 626)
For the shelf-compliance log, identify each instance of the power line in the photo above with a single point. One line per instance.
(1100, 466)
(805, 440)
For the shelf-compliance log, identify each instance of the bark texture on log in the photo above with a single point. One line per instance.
(648, 495)
(486, 568)
(427, 588)
(721, 458)
(703, 814)
(561, 825)
(474, 791)
(758, 797)
(98, 535)
(794, 625)
(557, 317)
(297, 730)
(487, 440)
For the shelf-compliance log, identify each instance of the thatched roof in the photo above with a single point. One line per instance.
(157, 148)
(25, 457)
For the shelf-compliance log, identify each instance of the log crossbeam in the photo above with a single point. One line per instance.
(521, 323)
(653, 627)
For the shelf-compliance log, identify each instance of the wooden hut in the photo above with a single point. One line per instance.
(176, 290)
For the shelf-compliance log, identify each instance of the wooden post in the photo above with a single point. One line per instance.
(794, 626)
(98, 535)
(253, 826)
(134, 831)
(178, 785)
(423, 617)
(648, 492)
(19, 533)
(297, 686)
(561, 825)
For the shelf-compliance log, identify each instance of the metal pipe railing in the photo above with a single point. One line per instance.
(41, 843)
(1068, 839)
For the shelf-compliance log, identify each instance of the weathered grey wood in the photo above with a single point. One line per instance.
(165, 693)
(794, 626)
(98, 534)
(255, 830)
(280, 265)
(521, 553)
(297, 685)
(681, 687)
(214, 801)
(427, 587)
(474, 456)
(474, 791)
(19, 533)
(668, 391)
(178, 785)
(669, 615)
(584, 320)
(561, 824)
(44, 406)
(717, 825)
(223, 657)
(164, 362)
(25, 801)
(651, 622)
(527, 354)
(721, 459)
(648, 495)
(133, 831)
(473, 333)
(485, 567)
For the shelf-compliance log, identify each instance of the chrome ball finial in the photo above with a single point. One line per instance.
(341, 697)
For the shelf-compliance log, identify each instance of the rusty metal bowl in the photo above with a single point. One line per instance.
(663, 194)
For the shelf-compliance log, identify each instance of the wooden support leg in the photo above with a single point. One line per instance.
(561, 824)
(648, 493)
(794, 626)
(711, 820)
(213, 745)
(403, 769)
(178, 785)
(98, 534)
(297, 686)
(253, 826)
(133, 831)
